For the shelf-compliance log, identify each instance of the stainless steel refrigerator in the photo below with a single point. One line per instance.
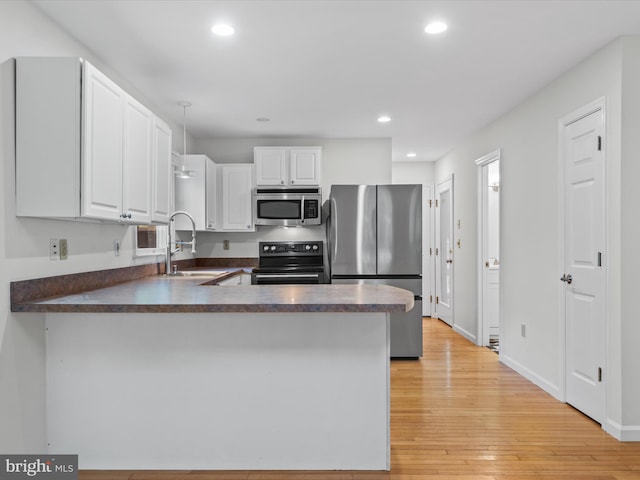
(374, 236)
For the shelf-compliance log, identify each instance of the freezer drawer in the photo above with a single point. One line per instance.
(405, 328)
(406, 332)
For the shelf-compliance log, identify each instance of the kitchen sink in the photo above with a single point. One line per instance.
(204, 273)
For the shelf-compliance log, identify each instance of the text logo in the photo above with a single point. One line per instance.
(50, 467)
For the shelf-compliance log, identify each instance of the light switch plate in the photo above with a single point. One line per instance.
(64, 253)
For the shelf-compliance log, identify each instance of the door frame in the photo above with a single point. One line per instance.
(482, 324)
(428, 238)
(588, 109)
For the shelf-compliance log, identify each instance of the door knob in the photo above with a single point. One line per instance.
(567, 278)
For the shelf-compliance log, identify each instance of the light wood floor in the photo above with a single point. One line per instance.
(458, 414)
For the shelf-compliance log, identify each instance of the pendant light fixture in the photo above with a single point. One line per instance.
(182, 172)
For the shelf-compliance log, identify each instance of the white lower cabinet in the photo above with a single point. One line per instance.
(218, 196)
(84, 147)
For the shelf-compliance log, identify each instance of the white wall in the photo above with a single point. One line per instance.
(413, 172)
(531, 292)
(346, 161)
(24, 243)
(628, 224)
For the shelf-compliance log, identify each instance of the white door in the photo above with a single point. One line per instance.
(583, 273)
(444, 251)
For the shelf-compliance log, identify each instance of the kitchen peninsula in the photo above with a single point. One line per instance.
(180, 373)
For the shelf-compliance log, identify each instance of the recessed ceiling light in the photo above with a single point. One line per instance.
(222, 30)
(384, 119)
(411, 155)
(435, 27)
(263, 119)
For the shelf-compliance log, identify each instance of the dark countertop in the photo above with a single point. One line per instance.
(199, 293)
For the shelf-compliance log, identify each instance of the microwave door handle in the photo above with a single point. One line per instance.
(302, 210)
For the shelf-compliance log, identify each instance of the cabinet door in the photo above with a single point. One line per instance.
(162, 177)
(237, 184)
(271, 166)
(211, 196)
(137, 161)
(102, 160)
(191, 193)
(305, 166)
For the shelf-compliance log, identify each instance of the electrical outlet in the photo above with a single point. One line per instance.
(64, 253)
(225, 244)
(523, 330)
(54, 249)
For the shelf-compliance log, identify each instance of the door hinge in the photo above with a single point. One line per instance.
(599, 374)
(599, 143)
(599, 259)
(437, 300)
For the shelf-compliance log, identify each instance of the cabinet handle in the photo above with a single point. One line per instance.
(292, 182)
(281, 182)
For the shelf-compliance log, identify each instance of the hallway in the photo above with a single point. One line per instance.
(459, 414)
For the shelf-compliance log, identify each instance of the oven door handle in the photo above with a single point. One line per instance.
(287, 275)
(302, 210)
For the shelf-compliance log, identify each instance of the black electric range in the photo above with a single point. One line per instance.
(289, 263)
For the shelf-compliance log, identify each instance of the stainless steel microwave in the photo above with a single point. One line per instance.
(289, 207)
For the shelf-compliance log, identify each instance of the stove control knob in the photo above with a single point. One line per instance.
(315, 247)
(307, 247)
(273, 248)
(265, 248)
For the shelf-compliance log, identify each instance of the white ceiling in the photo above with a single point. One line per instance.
(329, 68)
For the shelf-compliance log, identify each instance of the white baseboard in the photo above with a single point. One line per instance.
(469, 336)
(629, 433)
(534, 378)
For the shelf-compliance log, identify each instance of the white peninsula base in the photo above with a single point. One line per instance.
(233, 391)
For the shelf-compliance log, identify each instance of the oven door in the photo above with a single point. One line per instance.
(286, 277)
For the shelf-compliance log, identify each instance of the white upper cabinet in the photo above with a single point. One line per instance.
(196, 194)
(271, 165)
(287, 166)
(162, 176)
(103, 146)
(137, 162)
(304, 166)
(85, 148)
(237, 185)
(217, 196)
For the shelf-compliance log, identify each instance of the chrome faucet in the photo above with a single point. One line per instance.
(170, 251)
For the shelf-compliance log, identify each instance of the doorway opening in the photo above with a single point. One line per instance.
(489, 251)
